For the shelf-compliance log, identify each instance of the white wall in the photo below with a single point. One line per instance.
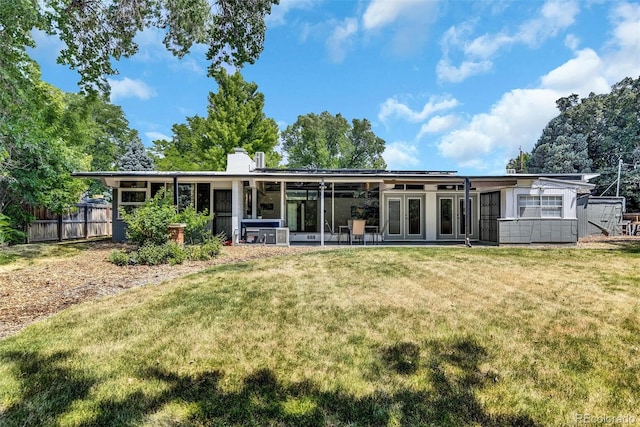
(536, 188)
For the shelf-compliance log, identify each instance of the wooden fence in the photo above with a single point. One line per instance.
(82, 222)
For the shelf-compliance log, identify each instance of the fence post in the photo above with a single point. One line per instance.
(60, 228)
(86, 221)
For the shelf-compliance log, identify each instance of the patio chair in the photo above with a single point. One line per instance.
(332, 232)
(379, 235)
(358, 230)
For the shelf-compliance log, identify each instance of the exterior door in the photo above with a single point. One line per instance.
(452, 217)
(489, 214)
(222, 202)
(405, 216)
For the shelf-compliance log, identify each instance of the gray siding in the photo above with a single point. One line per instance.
(600, 216)
(534, 230)
(118, 228)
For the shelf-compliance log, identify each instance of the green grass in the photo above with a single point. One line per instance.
(376, 336)
(28, 254)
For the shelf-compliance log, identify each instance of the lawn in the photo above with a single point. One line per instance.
(375, 336)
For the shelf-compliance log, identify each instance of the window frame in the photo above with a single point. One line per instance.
(132, 188)
(545, 205)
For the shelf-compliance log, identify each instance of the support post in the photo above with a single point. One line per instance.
(467, 212)
(618, 181)
(175, 192)
(322, 187)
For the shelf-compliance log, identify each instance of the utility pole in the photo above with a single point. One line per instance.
(618, 182)
(521, 160)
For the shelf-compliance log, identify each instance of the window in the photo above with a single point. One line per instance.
(132, 194)
(540, 206)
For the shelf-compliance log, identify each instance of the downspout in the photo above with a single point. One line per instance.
(467, 212)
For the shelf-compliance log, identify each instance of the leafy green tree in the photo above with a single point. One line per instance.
(95, 32)
(234, 119)
(328, 142)
(136, 158)
(36, 163)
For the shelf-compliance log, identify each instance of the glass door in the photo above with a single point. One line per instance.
(452, 217)
(405, 216)
(445, 217)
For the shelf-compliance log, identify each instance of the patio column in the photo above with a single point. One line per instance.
(322, 187)
(467, 212)
(175, 191)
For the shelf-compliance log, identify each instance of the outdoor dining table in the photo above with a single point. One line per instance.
(346, 229)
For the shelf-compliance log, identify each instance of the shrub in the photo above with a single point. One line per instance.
(209, 249)
(169, 252)
(119, 257)
(148, 224)
(197, 222)
(8, 232)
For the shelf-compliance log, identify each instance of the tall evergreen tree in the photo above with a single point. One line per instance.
(595, 134)
(136, 158)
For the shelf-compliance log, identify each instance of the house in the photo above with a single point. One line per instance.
(405, 206)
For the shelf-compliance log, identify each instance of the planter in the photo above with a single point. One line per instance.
(176, 233)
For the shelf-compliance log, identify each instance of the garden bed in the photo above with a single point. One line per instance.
(46, 285)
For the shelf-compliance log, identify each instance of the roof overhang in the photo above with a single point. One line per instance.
(112, 178)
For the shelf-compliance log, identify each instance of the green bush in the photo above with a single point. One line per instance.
(197, 223)
(9, 232)
(148, 224)
(209, 249)
(169, 252)
(119, 257)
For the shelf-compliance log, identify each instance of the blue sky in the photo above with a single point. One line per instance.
(449, 85)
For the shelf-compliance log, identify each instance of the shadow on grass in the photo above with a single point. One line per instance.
(47, 388)
(631, 247)
(264, 400)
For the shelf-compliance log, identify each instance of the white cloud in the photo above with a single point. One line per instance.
(155, 136)
(392, 107)
(450, 73)
(584, 72)
(341, 39)
(438, 124)
(278, 12)
(518, 118)
(572, 41)
(555, 16)
(398, 155)
(515, 120)
(129, 88)
(487, 45)
(412, 20)
(622, 59)
(380, 13)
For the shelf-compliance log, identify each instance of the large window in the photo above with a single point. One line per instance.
(132, 194)
(540, 206)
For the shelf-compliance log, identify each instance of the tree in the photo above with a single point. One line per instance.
(95, 32)
(36, 162)
(560, 149)
(234, 119)
(136, 158)
(328, 142)
(595, 134)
